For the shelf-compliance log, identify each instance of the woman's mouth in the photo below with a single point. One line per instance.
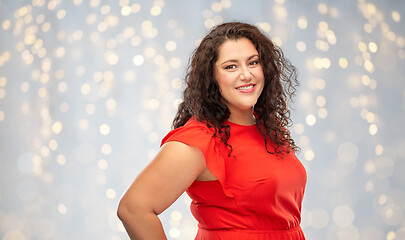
(246, 88)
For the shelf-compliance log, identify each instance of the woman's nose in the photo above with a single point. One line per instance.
(245, 75)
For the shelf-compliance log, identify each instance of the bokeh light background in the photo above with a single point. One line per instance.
(89, 88)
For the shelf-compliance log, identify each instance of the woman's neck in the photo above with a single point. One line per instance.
(242, 118)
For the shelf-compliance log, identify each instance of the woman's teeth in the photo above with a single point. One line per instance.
(246, 87)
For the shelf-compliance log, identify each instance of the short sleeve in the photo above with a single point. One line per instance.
(197, 134)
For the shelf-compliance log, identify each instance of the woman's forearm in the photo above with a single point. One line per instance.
(143, 226)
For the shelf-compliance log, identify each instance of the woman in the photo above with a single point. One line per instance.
(230, 149)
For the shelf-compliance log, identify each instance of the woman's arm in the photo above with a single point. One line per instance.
(172, 171)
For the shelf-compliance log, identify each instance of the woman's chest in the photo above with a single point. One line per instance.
(255, 173)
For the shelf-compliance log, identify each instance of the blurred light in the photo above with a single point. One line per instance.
(90, 109)
(85, 89)
(171, 46)
(370, 117)
(149, 52)
(136, 7)
(57, 127)
(62, 209)
(60, 52)
(321, 63)
(368, 28)
(343, 215)
(321, 101)
(111, 58)
(372, 129)
(209, 23)
(207, 14)
(174, 232)
(309, 155)
(302, 22)
(105, 10)
(110, 193)
(126, 10)
(379, 149)
(138, 60)
(155, 11)
(84, 124)
(369, 66)
(104, 129)
(299, 128)
(106, 149)
(322, 113)
(362, 47)
(6, 24)
(77, 2)
(46, 27)
(280, 11)
(153, 104)
(277, 41)
(176, 215)
(322, 45)
(323, 26)
(175, 62)
(53, 144)
(343, 62)
(216, 7)
(176, 83)
(373, 47)
(310, 120)
(390, 235)
(301, 46)
(136, 41)
(61, 14)
(226, 3)
(322, 8)
(102, 164)
(369, 167)
(61, 159)
(396, 16)
(264, 26)
(110, 104)
(365, 80)
(2, 94)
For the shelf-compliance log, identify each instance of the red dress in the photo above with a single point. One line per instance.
(257, 195)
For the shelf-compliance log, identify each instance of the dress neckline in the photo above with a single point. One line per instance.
(239, 125)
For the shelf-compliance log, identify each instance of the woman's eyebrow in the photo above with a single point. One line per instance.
(235, 61)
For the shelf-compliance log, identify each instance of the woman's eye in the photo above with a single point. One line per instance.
(230, 67)
(254, 63)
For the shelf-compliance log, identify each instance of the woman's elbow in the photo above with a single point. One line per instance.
(125, 210)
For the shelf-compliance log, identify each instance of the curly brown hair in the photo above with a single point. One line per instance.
(202, 98)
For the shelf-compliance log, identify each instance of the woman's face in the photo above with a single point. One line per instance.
(239, 74)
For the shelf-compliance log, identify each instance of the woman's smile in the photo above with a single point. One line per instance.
(247, 88)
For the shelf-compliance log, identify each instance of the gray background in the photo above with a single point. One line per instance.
(89, 88)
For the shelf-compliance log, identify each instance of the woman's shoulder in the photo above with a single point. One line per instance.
(193, 130)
